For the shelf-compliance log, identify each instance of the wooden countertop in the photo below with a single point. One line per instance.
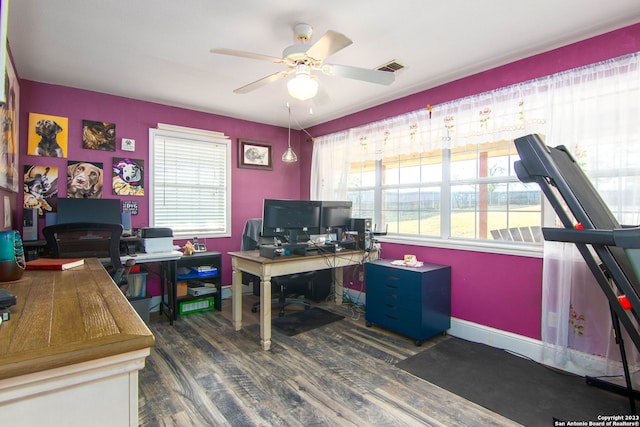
(67, 317)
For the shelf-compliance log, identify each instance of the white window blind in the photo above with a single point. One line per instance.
(190, 181)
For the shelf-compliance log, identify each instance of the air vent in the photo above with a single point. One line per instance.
(391, 67)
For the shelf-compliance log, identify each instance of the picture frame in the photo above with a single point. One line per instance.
(9, 141)
(255, 154)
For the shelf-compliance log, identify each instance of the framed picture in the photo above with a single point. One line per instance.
(98, 135)
(128, 176)
(9, 114)
(84, 180)
(41, 188)
(48, 135)
(255, 155)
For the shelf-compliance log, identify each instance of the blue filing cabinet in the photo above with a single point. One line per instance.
(413, 301)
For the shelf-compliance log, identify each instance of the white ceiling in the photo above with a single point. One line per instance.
(158, 50)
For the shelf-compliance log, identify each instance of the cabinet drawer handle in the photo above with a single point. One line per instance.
(391, 317)
(391, 286)
(394, 296)
(392, 306)
(393, 278)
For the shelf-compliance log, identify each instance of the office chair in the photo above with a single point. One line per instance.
(288, 289)
(281, 286)
(90, 240)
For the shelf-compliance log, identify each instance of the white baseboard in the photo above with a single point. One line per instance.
(519, 344)
(576, 362)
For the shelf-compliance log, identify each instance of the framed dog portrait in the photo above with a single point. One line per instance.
(41, 188)
(255, 155)
(128, 176)
(98, 135)
(9, 142)
(48, 135)
(84, 180)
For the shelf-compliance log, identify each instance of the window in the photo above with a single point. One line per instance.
(190, 181)
(487, 199)
(469, 192)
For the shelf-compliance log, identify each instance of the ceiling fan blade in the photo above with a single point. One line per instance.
(322, 97)
(250, 55)
(328, 44)
(364, 74)
(263, 81)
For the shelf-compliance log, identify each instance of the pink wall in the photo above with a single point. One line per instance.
(500, 291)
(133, 119)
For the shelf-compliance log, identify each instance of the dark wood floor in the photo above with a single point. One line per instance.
(203, 373)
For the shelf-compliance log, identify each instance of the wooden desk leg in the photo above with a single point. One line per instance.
(236, 299)
(338, 284)
(265, 312)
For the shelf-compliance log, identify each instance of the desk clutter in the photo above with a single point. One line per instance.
(408, 261)
(305, 249)
(198, 284)
(196, 280)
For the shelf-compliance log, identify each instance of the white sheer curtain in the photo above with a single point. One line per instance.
(500, 115)
(332, 154)
(595, 112)
(503, 114)
(330, 167)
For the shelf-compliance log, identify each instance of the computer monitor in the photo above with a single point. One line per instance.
(335, 216)
(89, 210)
(292, 219)
(335, 213)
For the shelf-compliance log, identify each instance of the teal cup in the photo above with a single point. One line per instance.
(12, 262)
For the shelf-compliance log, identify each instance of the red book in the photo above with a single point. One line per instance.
(54, 263)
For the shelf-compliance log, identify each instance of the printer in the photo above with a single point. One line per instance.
(154, 240)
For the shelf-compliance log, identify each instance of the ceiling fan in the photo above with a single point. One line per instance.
(302, 58)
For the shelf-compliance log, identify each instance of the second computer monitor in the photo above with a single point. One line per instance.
(335, 214)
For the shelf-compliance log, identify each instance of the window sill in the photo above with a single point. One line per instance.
(522, 249)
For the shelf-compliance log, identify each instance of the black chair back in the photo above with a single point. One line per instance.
(85, 240)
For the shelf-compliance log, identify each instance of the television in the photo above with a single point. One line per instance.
(294, 220)
(89, 210)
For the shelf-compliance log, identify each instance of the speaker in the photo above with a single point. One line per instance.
(30, 224)
(126, 223)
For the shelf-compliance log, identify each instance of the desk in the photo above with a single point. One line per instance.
(168, 277)
(71, 351)
(266, 268)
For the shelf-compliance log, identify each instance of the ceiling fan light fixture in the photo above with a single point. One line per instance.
(302, 86)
